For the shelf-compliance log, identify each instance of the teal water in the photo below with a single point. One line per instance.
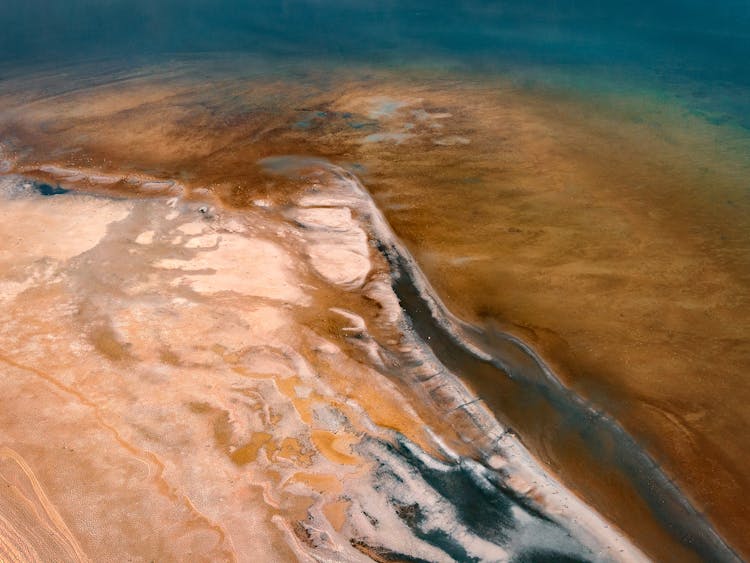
(698, 50)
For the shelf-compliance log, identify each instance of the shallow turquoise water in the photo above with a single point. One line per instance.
(697, 50)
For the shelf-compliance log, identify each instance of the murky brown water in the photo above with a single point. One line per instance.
(614, 241)
(619, 248)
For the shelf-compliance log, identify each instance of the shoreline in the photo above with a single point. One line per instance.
(518, 360)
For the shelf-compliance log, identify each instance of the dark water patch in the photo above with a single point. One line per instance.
(384, 555)
(545, 556)
(291, 165)
(48, 190)
(21, 187)
(362, 124)
(444, 540)
(455, 505)
(311, 119)
(483, 507)
(518, 382)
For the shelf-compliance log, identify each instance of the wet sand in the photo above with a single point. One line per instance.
(593, 236)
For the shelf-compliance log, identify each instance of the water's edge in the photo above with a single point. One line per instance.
(463, 349)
